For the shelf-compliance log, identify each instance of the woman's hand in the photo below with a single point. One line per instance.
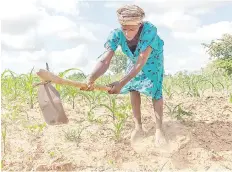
(115, 87)
(100, 68)
(90, 84)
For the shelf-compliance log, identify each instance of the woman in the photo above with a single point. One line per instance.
(139, 41)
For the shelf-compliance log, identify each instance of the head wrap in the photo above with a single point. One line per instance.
(130, 15)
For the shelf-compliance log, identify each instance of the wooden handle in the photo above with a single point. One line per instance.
(48, 76)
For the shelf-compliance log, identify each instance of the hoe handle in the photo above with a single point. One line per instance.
(49, 76)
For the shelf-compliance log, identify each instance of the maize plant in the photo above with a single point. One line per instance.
(29, 90)
(10, 85)
(177, 111)
(13, 112)
(227, 79)
(168, 90)
(62, 75)
(118, 126)
(68, 92)
(119, 114)
(74, 135)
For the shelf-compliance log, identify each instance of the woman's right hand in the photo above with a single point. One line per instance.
(90, 84)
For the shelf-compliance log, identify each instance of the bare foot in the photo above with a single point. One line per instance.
(160, 139)
(137, 134)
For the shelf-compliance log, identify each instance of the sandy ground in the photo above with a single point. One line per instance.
(199, 142)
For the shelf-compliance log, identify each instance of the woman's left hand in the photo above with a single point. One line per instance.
(115, 87)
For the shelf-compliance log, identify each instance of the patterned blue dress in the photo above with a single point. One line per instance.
(150, 79)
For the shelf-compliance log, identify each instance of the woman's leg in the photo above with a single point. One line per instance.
(136, 105)
(136, 109)
(158, 108)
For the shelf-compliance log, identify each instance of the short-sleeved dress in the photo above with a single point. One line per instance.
(150, 79)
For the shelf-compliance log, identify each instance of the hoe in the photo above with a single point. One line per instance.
(49, 98)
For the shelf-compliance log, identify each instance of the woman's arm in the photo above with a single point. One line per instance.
(142, 59)
(102, 66)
